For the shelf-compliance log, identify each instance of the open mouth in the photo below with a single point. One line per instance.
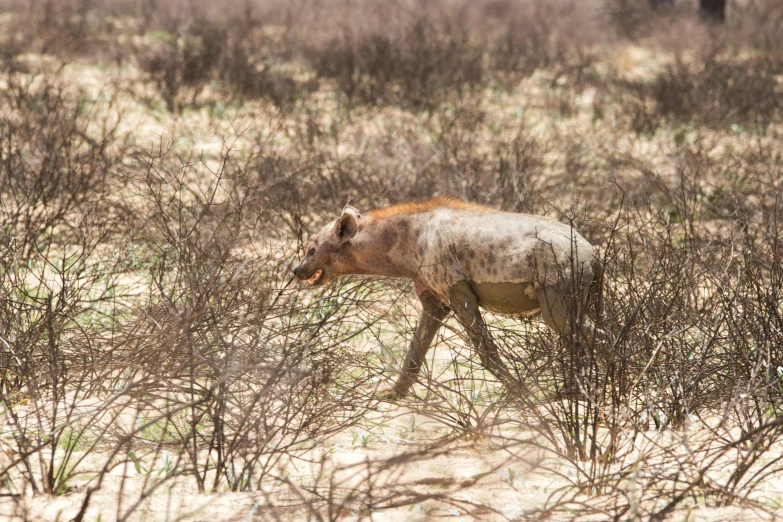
(315, 277)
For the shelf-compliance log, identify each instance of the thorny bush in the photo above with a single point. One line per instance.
(146, 311)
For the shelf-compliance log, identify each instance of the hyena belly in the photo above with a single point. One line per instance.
(514, 299)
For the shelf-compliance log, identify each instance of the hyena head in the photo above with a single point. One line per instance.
(329, 254)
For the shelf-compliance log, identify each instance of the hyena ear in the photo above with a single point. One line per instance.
(346, 226)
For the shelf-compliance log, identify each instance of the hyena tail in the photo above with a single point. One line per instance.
(597, 289)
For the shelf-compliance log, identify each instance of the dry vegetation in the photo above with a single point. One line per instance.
(161, 166)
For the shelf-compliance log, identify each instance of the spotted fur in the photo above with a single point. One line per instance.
(462, 256)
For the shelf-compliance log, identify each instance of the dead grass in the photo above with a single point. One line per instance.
(159, 175)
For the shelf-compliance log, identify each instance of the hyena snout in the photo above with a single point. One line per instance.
(300, 271)
(312, 276)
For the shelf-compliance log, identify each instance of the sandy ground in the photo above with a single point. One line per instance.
(415, 462)
(471, 482)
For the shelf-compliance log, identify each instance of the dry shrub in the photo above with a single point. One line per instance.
(415, 63)
(177, 62)
(55, 179)
(196, 52)
(149, 316)
(423, 57)
(721, 76)
(692, 319)
(635, 19)
(534, 35)
(375, 52)
(175, 348)
(716, 93)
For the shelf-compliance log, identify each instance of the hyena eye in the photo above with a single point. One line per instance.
(311, 251)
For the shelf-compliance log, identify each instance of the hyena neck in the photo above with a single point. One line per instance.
(385, 247)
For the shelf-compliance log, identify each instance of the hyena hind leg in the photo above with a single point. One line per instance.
(465, 304)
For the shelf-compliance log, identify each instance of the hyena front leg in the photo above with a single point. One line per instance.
(432, 315)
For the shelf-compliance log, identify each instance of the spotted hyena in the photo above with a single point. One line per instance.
(462, 257)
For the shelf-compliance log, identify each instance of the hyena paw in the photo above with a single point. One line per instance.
(388, 393)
